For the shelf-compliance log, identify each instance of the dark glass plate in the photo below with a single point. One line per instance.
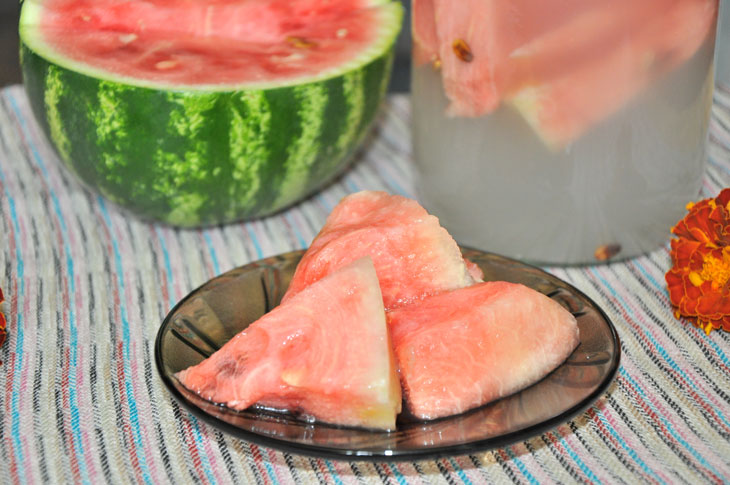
(209, 316)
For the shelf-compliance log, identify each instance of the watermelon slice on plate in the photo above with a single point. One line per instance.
(463, 348)
(198, 113)
(324, 354)
(414, 256)
(211, 315)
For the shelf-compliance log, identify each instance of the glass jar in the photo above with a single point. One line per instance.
(722, 72)
(561, 131)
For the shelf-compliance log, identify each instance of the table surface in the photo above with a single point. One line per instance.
(87, 287)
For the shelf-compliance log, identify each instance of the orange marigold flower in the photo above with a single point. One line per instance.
(699, 280)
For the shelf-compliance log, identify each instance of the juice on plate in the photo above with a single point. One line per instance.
(561, 131)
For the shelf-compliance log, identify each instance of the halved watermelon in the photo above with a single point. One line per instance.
(210, 111)
(413, 255)
(325, 353)
(463, 348)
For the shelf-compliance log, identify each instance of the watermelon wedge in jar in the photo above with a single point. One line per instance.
(573, 126)
(564, 106)
(198, 113)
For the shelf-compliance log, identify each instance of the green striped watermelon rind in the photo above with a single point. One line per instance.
(196, 157)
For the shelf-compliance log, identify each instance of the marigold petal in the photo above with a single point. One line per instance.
(708, 325)
(707, 221)
(721, 217)
(688, 306)
(691, 291)
(722, 323)
(709, 305)
(683, 250)
(675, 286)
(723, 198)
(699, 255)
(697, 225)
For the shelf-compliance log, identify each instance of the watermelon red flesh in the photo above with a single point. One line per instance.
(461, 349)
(423, 28)
(325, 353)
(469, 85)
(413, 255)
(225, 42)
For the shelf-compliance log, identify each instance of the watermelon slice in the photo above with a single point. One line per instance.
(468, 76)
(423, 28)
(581, 38)
(325, 353)
(413, 255)
(561, 109)
(565, 65)
(490, 31)
(461, 349)
(209, 111)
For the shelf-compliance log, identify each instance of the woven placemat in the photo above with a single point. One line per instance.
(87, 287)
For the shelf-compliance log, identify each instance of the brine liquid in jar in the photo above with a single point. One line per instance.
(561, 131)
(722, 71)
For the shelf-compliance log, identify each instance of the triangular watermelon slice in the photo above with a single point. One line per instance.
(413, 255)
(461, 349)
(325, 353)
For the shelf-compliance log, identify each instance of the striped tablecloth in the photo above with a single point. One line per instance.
(87, 287)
